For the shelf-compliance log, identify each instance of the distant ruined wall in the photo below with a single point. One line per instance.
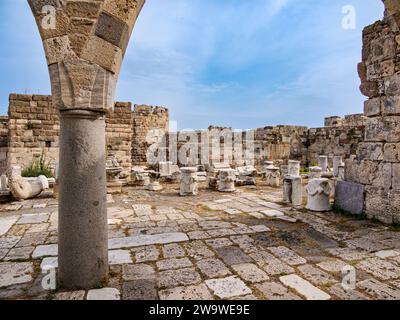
(339, 137)
(32, 129)
(119, 133)
(377, 166)
(149, 123)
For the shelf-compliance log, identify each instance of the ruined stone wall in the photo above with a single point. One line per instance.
(119, 133)
(149, 124)
(33, 129)
(377, 167)
(339, 137)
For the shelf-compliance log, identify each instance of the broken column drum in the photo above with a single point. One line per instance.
(84, 61)
(272, 176)
(226, 180)
(189, 185)
(293, 190)
(319, 191)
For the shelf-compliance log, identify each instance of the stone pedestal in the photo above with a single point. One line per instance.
(272, 177)
(323, 163)
(189, 185)
(293, 190)
(319, 191)
(294, 168)
(153, 183)
(226, 180)
(82, 238)
(315, 173)
(337, 162)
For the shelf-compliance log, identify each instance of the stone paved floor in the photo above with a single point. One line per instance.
(238, 246)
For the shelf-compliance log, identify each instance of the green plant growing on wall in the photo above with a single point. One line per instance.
(38, 167)
(29, 125)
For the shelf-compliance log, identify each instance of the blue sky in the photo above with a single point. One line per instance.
(236, 63)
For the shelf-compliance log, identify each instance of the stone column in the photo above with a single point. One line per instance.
(294, 168)
(189, 185)
(323, 163)
(293, 190)
(82, 200)
(84, 42)
(337, 162)
(318, 191)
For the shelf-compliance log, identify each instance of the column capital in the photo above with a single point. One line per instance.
(85, 42)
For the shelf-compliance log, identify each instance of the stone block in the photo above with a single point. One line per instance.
(83, 8)
(391, 105)
(377, 204)
(370, 151)
(112, 30)
(383, 129)
(349, 197)
(369, 173)
(392, 85)
(369, 89)
(372, 107)
(103, 53)
(125, 10)
(396, 176)
(392, 152)
(58, 49)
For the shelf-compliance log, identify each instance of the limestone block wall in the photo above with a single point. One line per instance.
(149, 124)
(377, 166)
(339, 137)
(33, 129)
(119, 133)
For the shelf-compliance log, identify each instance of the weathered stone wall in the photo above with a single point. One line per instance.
(149, 124)
(32, 129)
(377, 166)
(119, 133)
(339, 137)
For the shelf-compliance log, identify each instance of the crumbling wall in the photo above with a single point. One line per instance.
(119, 133)
(339, 137)
(377, 166)
(33, 129)
(149, 124)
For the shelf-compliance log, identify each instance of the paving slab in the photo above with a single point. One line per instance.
(6, 223)
(228, 287)
(249, 272)
(199, 292)
(287, 255)
(145, 240)
(12, 273)
(276, 291)
(304, 287)
(106, 294)
(50, 250)
(213, 268)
